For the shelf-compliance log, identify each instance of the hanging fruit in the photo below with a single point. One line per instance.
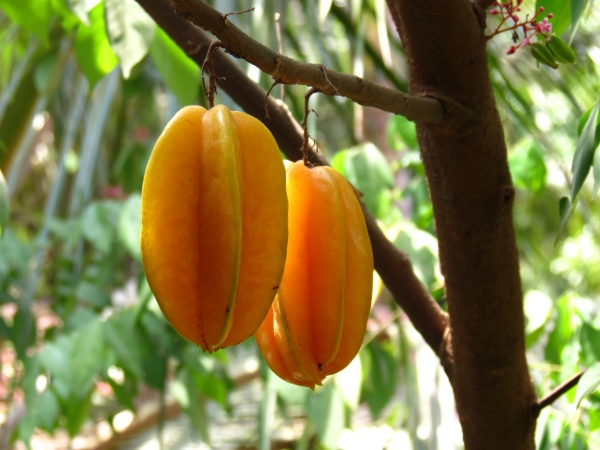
(318, 319)
(214, 224)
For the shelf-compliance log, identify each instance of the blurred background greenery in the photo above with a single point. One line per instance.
(88, 360)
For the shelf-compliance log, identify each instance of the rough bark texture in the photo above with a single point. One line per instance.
(472, 195)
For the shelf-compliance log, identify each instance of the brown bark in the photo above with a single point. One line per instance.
(289, 71)
(472, 196)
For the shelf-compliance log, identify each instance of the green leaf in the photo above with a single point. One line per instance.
(56, 358)
(421, 247)
(584, 153)
(577, 8)
(92, 294)
(46, 410)
(43, 71)
(561, 334)
(33, 15)
(179, 72)
(23, 331)
(78, 411)
(94, 54)
(130, 225)
(561, 50)
(401, 133)
(98, 221)
(4, 203)
(380, 377)
(366, 168)
(562, 14)
(196, 409)
(588, 383)
(327, 413)
(121, 336)
(527, 166)
(131, 31)
(543, 55)
(87, 357)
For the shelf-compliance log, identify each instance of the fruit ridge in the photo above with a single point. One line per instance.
(318, 319)
(214, 224)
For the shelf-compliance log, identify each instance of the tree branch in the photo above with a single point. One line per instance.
(289, 71)
(392, 265)
(559, 390)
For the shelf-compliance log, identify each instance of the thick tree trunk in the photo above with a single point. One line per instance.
(472, 194)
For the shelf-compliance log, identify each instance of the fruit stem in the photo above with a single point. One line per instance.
(209, 63)
(304, 124)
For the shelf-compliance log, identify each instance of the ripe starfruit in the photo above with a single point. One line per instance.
(214, 224)
(318, 320)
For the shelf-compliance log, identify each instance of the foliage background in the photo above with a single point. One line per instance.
(86, 86)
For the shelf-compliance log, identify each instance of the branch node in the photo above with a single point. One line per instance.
(224, 16)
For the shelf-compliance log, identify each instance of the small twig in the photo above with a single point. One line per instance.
(324, 69)
(224, 16)
(210, 68)
(275, 83)
(559, 390)
(304, 125)
(279, 47)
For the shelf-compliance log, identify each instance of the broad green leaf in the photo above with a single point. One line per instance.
(179, 72)
(561, 334)
(130, 225)
(87, 357)
(98, 221)
(94, 54)
(380, 377)
(33, 15)
(588, 383)
(92, 294)
(56, 358)
(562, 13)
(46, 410)
(401, 133)
(564, 210)
(421, 247)
(577, 8)
(24, 330)
(590, 343)
(78, 411)
(527, 167)
(122, 337)
(366, 168)
(131, 31)
(584, 153)
(126, 392)
(43, 72)
(327, 413)
(196, 409)
(4, 203)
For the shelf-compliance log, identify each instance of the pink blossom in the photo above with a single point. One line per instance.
(544, 27)
(525, 42)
